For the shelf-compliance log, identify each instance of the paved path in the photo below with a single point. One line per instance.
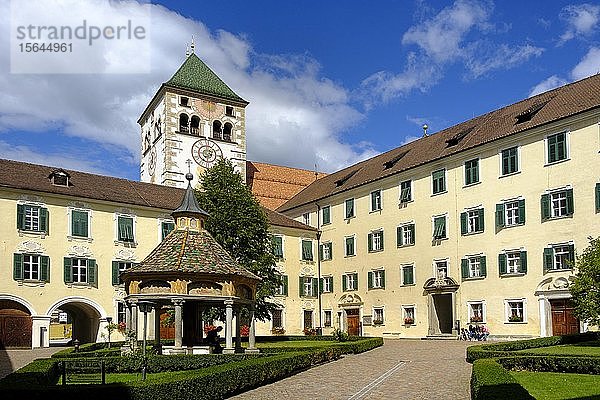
(401, 369)
(12, 360)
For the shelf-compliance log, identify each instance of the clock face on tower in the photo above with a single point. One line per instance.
(206, 152)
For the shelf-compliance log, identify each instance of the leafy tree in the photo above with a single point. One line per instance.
(586, 286)
(239, 224)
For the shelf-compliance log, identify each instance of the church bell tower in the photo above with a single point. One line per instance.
(193, 116)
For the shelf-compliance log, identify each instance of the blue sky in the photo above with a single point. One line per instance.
(341, 81)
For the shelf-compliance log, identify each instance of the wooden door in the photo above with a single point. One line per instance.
(353, 321)
(15, 329)
(563, 318)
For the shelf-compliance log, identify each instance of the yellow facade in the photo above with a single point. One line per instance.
(535, 289)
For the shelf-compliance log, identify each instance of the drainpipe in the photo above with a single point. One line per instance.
(320, 329)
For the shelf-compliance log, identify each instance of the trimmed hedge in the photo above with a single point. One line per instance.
(40, 372)
(491, 381)
(564, 364)
(506, 349)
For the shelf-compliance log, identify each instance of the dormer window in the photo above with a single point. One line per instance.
(529, 113)
(184, 101)
(453, 141)
(59, 178)
(229, 111)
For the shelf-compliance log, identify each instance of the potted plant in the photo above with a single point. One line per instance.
(515, 318)
(476, 318)
(409, 320)
(278, 331)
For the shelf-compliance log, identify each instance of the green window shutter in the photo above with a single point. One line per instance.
(356, 281)
(522, 211)
(548, 258)
(464, 268)
(330, 283)
(277, 243)
(545, 203)
(285, 285)
(551, 148)
(315, 286)
(383, 279)
(463, 223)
(344, 283)
(597, 197)
(92, 270)
(409, 276)
(18, 272)
(370, 279)
(125, 229)
(79, 223)
(370, 241)
(307, 250)
(570, 203)
(301, 287)
(330, 246)
(483, 265)
(399, 236)
(326, 215)
(382, 241)
(572, 255)
(115, 273)
(523, 263)
(502, 263)
(500, 216)
(20, 216)
(44, 220)
(321, 285)
(475, 170)
(481, 226)
(68, 270)
(45, 268)
(411, 228)
(321, 252)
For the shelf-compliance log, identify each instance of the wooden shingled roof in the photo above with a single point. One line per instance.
(535, 111)
(184, 251)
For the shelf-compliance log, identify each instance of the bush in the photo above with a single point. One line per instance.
(490, 381)
(506, 348)
(41, 372)
(564, 364)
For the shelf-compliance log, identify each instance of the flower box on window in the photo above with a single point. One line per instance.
(377, 322)
(409, 321)
(278, 331)
(515, 318)
(476, 318)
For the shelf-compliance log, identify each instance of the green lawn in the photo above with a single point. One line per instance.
(557, 386)
(579, 349)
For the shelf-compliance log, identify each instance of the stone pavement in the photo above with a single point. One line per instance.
(400, 369)
(12, 360)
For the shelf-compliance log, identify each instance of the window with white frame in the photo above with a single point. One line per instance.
(327, 284)
(378, 316)
(476, 311)
(307, 250)
(559, 257)
(438, 181)
(405, 235)
(509, 160)
(80, 274)
(118, 267)
(121, 312)
(349, 246)
(473, 267)
(375, 239)
(277, 319)
(441, 269)
(166, 227)
(408, 274)
(409, 314)
(326, 251)
(515, 310)
(512, 262)
(327, 318)
(376, 279)
(350, 282)
(282, 288)
(376, 200)
(308, 286)
(472, 221)
(31, 267)
(405, 191)
(277, 243)
(32, 218)
(307, 319)
(326, 215)
(510, 213)
(439, 227)
(349, 210)
(557, 204)
(80, 271)
(306, 218)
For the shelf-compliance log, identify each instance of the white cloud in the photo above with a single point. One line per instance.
(443, 39)
(547, 84)
(290, 101)
(581, 20)
(588, 66)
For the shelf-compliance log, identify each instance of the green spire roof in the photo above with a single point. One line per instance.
(195, 75)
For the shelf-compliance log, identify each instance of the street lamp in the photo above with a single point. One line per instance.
(145, 307)
(109, 320)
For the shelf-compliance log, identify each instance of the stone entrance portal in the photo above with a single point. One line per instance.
(441, 301)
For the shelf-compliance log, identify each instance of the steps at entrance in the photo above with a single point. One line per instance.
(440, 337)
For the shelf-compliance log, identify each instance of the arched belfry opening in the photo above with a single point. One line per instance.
(190, 272)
